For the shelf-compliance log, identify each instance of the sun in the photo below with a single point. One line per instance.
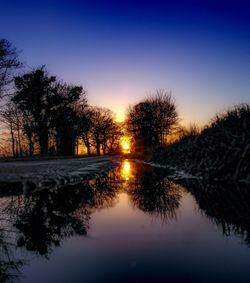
(120, 117)
(125, 144)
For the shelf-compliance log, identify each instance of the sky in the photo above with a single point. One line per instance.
(121, 51)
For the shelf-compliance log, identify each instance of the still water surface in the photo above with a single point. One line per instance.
(133, 225)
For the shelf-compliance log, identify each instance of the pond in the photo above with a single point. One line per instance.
(134, 225)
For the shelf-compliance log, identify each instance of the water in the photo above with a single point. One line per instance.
(134, 225)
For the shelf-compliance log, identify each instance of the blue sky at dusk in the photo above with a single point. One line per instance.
(121, 50)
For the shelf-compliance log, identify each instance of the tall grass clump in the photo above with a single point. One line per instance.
(221, 151)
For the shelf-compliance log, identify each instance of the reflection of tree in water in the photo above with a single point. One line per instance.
(42, 219)
(228, 205)
(45, 218)
(9, 265)
(104, 191)
(152, 193)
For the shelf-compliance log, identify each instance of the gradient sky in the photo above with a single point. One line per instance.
(121, 50)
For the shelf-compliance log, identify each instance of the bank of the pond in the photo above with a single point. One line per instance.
(19, 176)
(221, 152)
(171, 172)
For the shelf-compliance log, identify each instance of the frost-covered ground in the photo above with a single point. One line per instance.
(174, 172)
(40, 174)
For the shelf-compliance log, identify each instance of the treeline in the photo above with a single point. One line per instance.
(221, 151)
(44, 115)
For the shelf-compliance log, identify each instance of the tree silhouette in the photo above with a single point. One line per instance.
(150, 121)
(12, 118)
(153, 193)
(49, 110)
(85, 127)
(33, 97)
(64, 116)
(8, 63)
(99, 130)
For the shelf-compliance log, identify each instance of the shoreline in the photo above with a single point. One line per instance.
(40, 174)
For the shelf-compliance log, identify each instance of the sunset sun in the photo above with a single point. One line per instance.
(125, 145)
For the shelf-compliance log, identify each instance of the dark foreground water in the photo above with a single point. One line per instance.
(134, 225)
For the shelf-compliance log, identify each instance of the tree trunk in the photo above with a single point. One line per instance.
(77, 146)
(31, 146)
(65, 142)
(43, 142)
(12, 140)
(88, 150)
(87, 143)
(19, 140)
(98, 148)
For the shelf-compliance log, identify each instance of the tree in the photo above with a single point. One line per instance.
(102, 120)
(8, 118)
(150, 121)
(49, 110)
(68, 100)
(8, 63)
(85, 127)
(99, 130)
(29, 130)
(12, 118)
(111, 143)
(34, 98)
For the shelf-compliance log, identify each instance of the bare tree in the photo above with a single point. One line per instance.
(102, 121)
(8, 63)
(12, 118)
(111, 143)
(150, 121)
(8, 116)
(85, 127)
(99, 130)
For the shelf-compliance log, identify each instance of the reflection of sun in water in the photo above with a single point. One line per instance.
(125, 144)
(126, 170)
